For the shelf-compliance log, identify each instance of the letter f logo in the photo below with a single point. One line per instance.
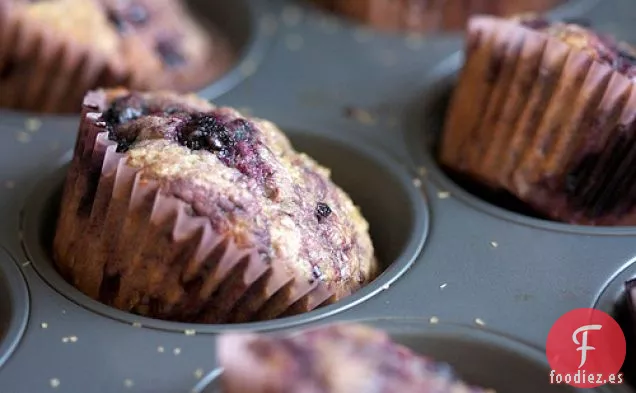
(583, 344)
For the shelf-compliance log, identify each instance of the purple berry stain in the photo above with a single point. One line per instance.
(233, 143)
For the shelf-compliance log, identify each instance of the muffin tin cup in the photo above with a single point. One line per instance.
(614, 300)
(14, 306)
(392, 195)
(58, 73)
(484, 278)
(543, 109)
(479, 356)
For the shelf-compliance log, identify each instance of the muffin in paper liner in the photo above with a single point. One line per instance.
(434, 16)
(127, 239)
(545, 111)
(343, 357)
(53, 53)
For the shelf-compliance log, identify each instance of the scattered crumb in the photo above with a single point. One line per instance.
(26, 263)
(32, 124)
(294, 42)
(248, 67)
(360, 115)
(480, 322)
(160, 349)
(443, 194)
(362, 35)
(417, 182)
(177, 351)
(128, 383)
(9, 184)
(444, 285)
(63, 311)
(385, 286)
(190, 332)
(494, 244)
(198, 373)
(23, 137)
(73, 339)
(64, 339)
(434, 320)
(291, 15)
(269, 24)
(422, 171)
(44, 325)
(136, 324)
(54, 382)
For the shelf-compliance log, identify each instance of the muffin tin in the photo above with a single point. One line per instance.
(465, 279)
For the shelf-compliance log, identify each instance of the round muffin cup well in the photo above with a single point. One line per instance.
(45, 72)
(121, 217)
(543, 121)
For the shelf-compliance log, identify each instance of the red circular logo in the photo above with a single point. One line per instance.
(586, 349)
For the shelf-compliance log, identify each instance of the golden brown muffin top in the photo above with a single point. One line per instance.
(243, 174)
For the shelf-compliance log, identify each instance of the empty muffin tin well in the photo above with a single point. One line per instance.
(394, 207)
(14, 306)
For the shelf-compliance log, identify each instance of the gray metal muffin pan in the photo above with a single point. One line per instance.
(466, 281)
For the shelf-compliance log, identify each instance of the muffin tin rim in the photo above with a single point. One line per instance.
(20, 299)
(437, 80)
(614, 287)
(35, 204)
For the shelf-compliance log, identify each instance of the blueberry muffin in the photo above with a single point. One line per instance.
(53, 51)
(179, 210)
(544, 110)
(333, 359)
(426, 16)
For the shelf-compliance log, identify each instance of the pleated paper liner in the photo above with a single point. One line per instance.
(121, 240)
(544, 121)
(46, 72)
(41, 71)
(429, 16)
